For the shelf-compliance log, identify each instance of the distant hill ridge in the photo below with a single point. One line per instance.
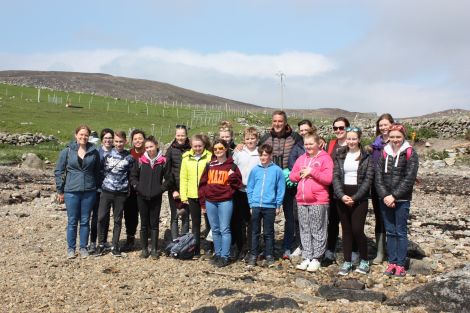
(117, 87)
(153, 91)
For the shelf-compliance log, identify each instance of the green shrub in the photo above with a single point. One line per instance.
(437, 155)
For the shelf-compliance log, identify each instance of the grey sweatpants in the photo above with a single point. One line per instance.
(313, 222)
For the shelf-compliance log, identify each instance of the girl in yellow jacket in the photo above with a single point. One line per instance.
(192, 166)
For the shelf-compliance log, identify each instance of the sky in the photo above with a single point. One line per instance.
(403, 57)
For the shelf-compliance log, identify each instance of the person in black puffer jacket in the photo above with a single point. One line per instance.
(173, 158)
(394, 179)
(352, 176)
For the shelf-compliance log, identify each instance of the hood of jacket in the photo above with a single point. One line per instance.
(158, 159)
(389, 151)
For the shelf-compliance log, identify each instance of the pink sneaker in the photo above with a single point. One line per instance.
(391, 268)
(400, 271)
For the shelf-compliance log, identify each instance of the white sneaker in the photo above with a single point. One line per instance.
(304, 265)
(355, 258)
(313, 266)
(297, 252)
(330, 255)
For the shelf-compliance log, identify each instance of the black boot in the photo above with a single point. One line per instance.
(154, 238)
(129, 245)
(144, 242)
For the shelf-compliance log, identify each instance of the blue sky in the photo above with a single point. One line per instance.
(369, 56)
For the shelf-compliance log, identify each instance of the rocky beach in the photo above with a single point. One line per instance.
(36, 276)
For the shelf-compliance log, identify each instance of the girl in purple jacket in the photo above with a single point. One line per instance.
(383, 124)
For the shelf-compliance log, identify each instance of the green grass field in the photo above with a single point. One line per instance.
(21, 112)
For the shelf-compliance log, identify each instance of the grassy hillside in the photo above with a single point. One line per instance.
(21, 112)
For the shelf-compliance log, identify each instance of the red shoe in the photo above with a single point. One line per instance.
(391, 268)
(400, 271)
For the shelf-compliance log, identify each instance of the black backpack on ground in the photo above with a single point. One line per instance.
(183, 247)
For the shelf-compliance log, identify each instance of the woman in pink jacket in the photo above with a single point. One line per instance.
(314, 173)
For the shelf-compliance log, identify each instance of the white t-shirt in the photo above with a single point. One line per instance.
(350, 168)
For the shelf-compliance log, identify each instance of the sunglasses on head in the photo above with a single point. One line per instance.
(335, 128)
(181, 126)
(353, 129)
(219, 148)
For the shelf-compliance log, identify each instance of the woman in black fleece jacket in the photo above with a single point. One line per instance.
(352, 177)
(173, 160)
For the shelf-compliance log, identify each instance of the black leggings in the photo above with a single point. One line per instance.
(379, 221)
(149, 212)
(353, 220)
(240, 220)
(131, 215)
(195, 211)
(333, 226)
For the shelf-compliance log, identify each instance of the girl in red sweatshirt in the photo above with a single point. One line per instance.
(218, 183)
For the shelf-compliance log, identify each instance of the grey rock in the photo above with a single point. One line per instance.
(21, 215)
(223, 292)
(35, 193)
(206, 309)
(415, 251)
(302, 282)
(32, 161)
(333, 293)
(438, 164)
(419, 267)
(450, 161)
(303, 297)
(448, 292)
(349, 284)
(260, 302)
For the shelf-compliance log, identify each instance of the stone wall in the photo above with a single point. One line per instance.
(25, 139)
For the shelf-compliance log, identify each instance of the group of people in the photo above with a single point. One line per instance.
(239, 190)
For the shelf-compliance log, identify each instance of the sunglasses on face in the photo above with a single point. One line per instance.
(335, 128)
(219, 148)
(107, 138)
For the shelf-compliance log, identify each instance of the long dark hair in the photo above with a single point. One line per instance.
(385, 116)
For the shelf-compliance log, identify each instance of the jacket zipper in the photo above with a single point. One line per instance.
(262, 188)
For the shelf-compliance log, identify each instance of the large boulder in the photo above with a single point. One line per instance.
(448, 292)
(31, 160)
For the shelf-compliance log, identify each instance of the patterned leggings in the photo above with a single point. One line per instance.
(313, 222)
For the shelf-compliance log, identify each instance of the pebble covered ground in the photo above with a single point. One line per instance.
(35, 275)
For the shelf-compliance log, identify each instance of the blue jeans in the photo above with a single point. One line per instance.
(268, 215)
(219, 214)
(395, 221)
(79, 206)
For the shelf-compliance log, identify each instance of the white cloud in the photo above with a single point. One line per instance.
(229, 63)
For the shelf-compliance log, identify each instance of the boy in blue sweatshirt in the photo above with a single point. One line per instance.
(115, 190)
(265, 190)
